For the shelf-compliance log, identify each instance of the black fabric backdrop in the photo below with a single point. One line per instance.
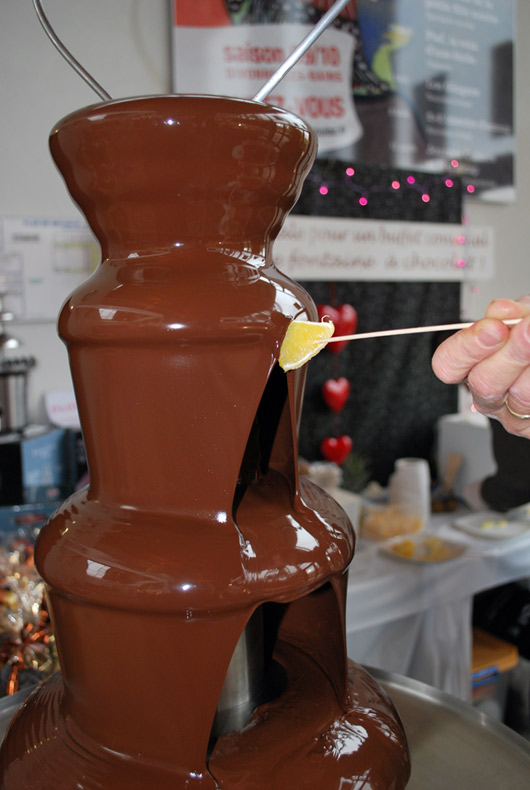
(395, 400)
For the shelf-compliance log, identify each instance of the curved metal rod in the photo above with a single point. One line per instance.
(302, 47)
(83, 73)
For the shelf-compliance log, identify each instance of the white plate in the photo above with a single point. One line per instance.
(521, 513)
(491, 525)
(427, 548)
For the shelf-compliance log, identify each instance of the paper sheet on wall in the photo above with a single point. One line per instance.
(41, 262)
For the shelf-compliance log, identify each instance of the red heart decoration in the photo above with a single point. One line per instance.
(344, 319)
(335, 393)
(336, 449)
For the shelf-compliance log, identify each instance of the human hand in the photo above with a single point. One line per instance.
(494, 361)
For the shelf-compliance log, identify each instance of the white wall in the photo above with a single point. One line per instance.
(125, 45)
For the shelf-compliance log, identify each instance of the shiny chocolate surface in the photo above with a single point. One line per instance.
(195, 516)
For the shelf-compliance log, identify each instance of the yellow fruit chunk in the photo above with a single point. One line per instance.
(301, 342)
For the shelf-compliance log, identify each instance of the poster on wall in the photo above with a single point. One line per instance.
(425, 84)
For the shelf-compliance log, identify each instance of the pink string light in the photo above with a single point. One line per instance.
(394, 185)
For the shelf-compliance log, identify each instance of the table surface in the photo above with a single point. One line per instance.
(414, 619)
(382, 589)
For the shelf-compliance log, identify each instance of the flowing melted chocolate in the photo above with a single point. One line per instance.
(195, 518)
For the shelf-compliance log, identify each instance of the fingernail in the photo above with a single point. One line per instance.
(491, 337)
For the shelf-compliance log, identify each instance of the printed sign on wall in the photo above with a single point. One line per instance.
(333, 248)
(237, 59)
(424, 84)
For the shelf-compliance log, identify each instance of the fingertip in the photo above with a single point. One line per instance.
(447, 364)
(524, 301)
(439, 367)
(521, 332)
(507, 308)
(490, 333)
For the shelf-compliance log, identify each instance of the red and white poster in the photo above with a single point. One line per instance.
(422, 84)
(232, 47)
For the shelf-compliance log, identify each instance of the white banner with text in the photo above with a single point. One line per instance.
(334, 248)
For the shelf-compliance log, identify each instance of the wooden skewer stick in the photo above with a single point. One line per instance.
(414, 330)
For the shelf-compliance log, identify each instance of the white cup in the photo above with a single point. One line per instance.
(410, 488)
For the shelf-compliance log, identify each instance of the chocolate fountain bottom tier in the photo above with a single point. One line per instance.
(314, 744)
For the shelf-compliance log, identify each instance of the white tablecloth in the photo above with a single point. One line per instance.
(415, 619)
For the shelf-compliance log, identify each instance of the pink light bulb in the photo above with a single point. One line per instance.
(323, 190)
(449, 182)
(363, 201)
(411, 180)
(350, 171)
(425, 197)
(395, 185)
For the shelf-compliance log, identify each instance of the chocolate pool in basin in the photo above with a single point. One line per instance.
(197, 586)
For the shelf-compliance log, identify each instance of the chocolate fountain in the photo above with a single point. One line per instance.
(197, 585)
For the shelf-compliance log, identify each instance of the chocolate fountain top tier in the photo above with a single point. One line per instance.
(155, 171)
(173, 338)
